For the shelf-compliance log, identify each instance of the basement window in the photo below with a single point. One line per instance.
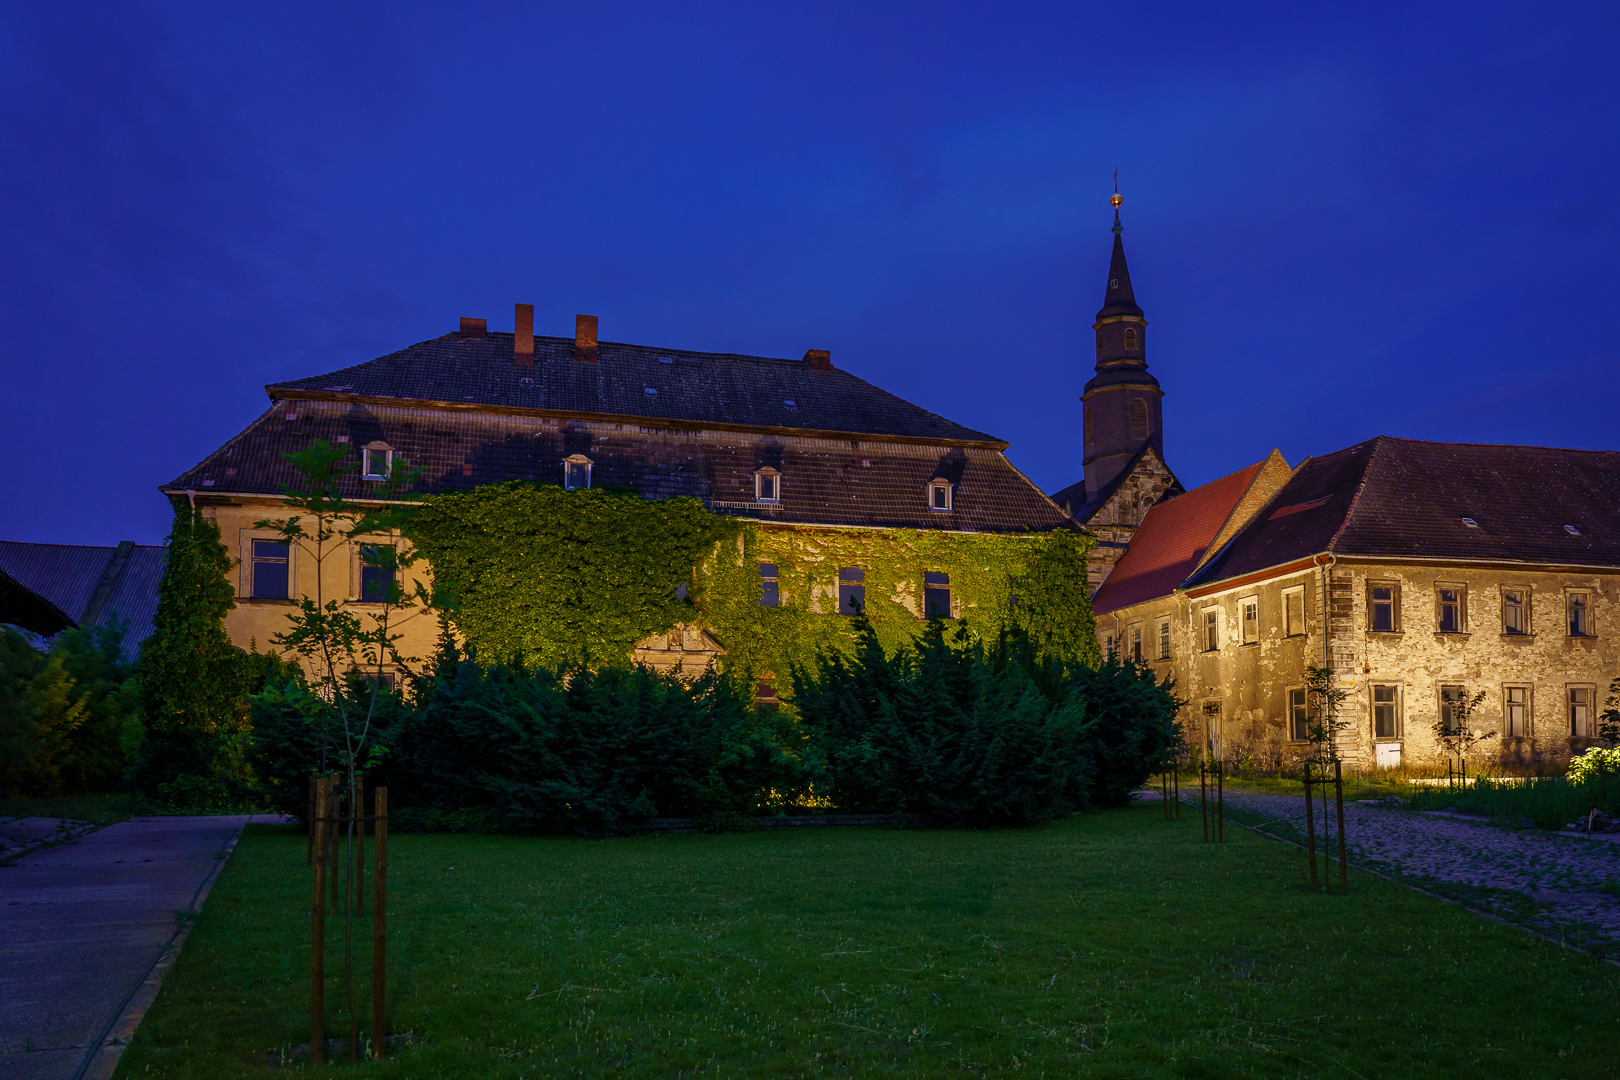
(936, 595)
(377, 461)
(576, 472)
(767, 485)
(939, 495)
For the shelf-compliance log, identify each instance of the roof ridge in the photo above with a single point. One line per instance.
(1355, 498)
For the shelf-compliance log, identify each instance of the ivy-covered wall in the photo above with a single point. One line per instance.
(544, 576)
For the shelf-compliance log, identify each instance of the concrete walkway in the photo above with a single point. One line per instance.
(82, 930)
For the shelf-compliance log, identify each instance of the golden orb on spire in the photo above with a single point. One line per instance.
(1116, 200)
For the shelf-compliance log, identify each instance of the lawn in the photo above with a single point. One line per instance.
(1109, 945)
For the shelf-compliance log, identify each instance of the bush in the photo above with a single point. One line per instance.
(1598, 761)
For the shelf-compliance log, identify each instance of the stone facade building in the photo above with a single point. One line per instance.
(1420, 573)
(796, 445)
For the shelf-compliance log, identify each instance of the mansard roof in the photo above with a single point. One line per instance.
(825, 481)
(1409, 499)
(675, 386)
(1171, 541)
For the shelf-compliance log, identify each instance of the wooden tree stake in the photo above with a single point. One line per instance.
(379, 919)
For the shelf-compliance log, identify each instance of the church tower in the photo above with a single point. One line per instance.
(1121, 403)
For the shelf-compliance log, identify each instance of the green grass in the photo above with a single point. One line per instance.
(1550, 801)
(1109, 945)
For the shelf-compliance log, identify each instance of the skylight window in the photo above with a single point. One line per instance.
(1470, 522)
(666, 360)
(1572, 530)
(790, 404)
(649, 391)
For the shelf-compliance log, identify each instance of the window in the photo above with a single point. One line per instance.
(376, 573)
(1136, 642)
(576, 472)
(1130, 339)
(1164, 639)
(1294, 613)
(270, 562)
(376, 461)
(1580, 712)
(1383, 605)
(936, 595)
(1108, 645)
(1448, 608)
(1451, 698)
(1516, 711)
(1515, 611)
(939, 495)
(1386, 705)
(768, 594)
(1299, 716)
(1578, 605)
(851, 590)
(767, 486)
(1212, 629)
(1249, 617)
(1139, 418)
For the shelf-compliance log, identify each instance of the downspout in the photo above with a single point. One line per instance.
(1327, 608)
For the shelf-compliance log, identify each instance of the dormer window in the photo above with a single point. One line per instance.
(939, 495)
(576, 472)
(1130, 339)
(377, 461)
(767, 485)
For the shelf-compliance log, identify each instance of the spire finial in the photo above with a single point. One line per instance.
(1115, 200)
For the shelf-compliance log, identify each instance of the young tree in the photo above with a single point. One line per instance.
(1609, 718)
(1324, 700)
(348, 658)
(1454, 732)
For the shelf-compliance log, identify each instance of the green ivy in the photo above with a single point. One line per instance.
(541, 575)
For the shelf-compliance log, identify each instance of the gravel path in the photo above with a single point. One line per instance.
(1561, 873)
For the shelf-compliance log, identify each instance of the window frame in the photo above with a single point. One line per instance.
(1394, 602)
(1163, 628)
(1590, 690)
(936, 583)
(1398, 705)
(1132, 339)
(1525, 606)
(366, 452)
(249, 583)
(1245, 624)
(576, 460)
(851, 587)
(770, 585)
(1461, 603)
(1445, 702)
(1529, 710)
(1297, 713)
(1209, 630)
(1289, 595)
(358, 567)
(761, 475)
(1108, 645)
(1134, 636)
(937, 485)
(1585, 596)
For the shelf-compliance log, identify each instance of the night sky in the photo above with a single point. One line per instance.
(1341, 222)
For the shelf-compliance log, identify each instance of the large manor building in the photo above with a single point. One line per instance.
(1421, 574)
(798, 447)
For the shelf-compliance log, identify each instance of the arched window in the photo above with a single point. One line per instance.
(1139, 418)
(1130, 339)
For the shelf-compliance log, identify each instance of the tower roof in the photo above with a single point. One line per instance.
(1118, 298)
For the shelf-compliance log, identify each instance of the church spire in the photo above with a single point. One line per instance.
(1121, 403)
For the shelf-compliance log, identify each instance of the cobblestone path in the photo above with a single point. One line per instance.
(1560, 874)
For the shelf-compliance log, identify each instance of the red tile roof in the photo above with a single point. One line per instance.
(1171, 541)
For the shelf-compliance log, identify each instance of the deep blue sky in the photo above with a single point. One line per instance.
(1341, 222)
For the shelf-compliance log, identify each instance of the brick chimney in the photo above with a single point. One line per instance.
(523, 335)
(585, 338)
(472, 328)
(819, 359)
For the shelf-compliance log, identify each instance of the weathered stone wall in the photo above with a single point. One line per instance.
(1237, 695)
